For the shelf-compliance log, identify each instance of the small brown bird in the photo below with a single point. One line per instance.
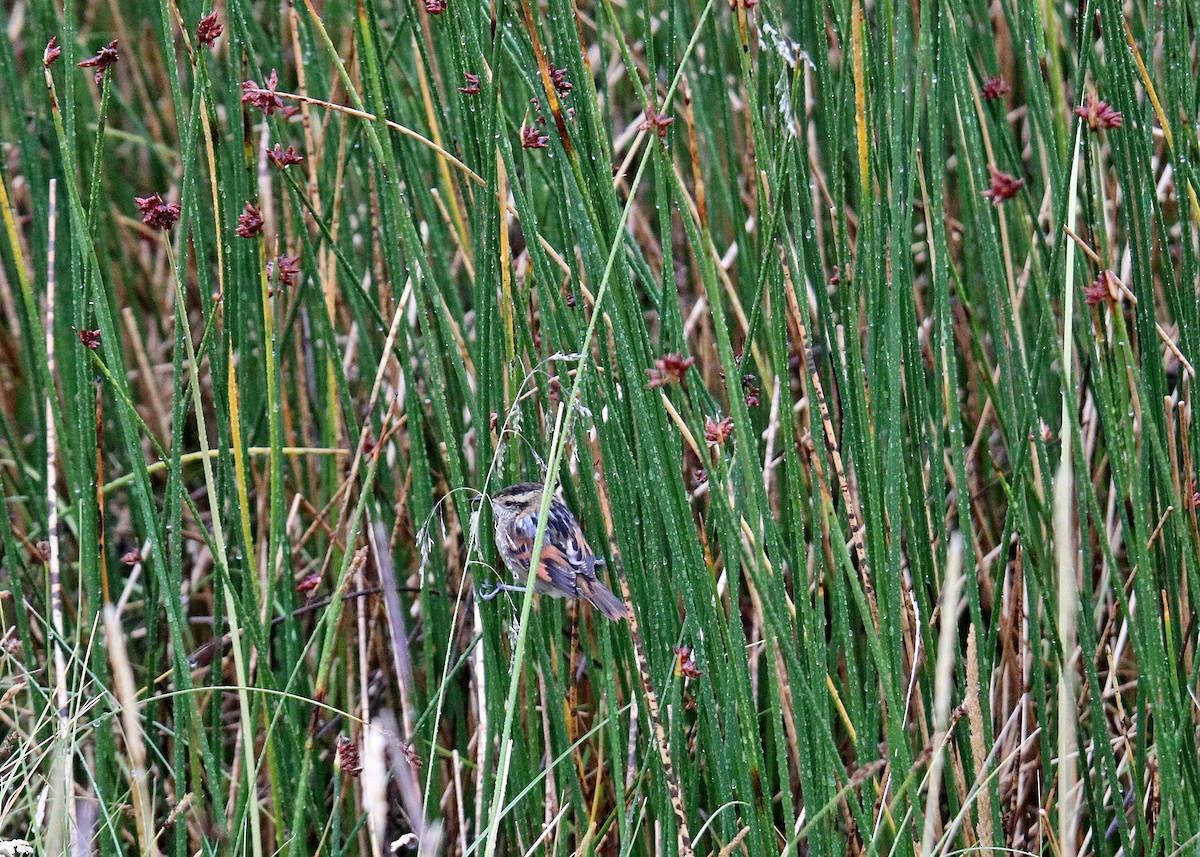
(567, 565)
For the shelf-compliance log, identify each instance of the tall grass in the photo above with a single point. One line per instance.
(804, 306)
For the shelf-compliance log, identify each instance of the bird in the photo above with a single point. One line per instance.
(567, 565)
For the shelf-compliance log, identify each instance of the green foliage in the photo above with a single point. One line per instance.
(511, 227)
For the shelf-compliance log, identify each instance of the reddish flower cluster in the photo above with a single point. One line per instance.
(558, 78)
(669, 369)
(435, 7)
(156, 213)
(1106, 287)
(657, 122)
(1099, 115)
(90, 338)
(716, 433)
(472, 87)
(1003, 186)
(699, 476)
(250, 222)
(284, 158)
(52, 52)
(836, 277)
(309, 583)
(411, 755)
(752, 392)
(685, 663)
(533, 138)
(284, 269)
(995, 88)
(209, 29)
(346, 757)
(263, 97)
(105, 57)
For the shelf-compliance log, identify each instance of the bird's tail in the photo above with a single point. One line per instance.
(603, 598)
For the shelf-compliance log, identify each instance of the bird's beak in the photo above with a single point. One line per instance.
(476, 501)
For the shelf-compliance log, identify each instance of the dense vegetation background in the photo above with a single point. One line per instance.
(860, 335)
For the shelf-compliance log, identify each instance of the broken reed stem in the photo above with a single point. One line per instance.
(125, 689)
(943, 688)
(61, 814)
(986, 833)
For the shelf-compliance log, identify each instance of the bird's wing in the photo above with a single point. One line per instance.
(565, 552)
